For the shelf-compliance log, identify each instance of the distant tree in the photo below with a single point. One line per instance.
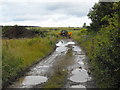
(84, 25)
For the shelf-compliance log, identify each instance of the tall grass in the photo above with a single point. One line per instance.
(18, 54)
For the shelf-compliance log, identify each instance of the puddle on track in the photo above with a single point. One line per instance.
(79, 75)
(78, 86)
(30, 81)
(77, 49)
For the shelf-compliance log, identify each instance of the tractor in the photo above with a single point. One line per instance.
(65, 33)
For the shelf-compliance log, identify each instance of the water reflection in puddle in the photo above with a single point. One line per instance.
(78, 86)
(39, 70)
(70, 43)
(64, 43)
(29, 81)
(79, 75)
(76, 48)
(33, 80)
(61, 49)
(61, 43)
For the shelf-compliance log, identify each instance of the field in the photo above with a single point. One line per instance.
(18, 54)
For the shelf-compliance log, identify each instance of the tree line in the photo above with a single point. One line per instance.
(105, 17)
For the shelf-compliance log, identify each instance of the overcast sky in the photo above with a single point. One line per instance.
(45, 13)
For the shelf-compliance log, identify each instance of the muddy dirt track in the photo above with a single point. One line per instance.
(78, 77)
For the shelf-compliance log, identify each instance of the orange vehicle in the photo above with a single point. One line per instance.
(65, 33)
(70, 34)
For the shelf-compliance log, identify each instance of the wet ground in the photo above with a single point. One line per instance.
(79, 75)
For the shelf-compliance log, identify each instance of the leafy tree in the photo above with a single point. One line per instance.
(105, 20)
(98, 12)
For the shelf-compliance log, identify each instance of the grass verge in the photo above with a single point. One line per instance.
(18, 54)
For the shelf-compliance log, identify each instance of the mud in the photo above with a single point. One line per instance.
(79, 76)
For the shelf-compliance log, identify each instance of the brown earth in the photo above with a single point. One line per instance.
(17, 32)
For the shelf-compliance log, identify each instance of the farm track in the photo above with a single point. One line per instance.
(78, 76)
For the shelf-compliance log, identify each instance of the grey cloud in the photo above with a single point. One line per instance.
(76, 9)
(57, 11)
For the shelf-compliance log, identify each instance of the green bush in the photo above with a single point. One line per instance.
(102, 48)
